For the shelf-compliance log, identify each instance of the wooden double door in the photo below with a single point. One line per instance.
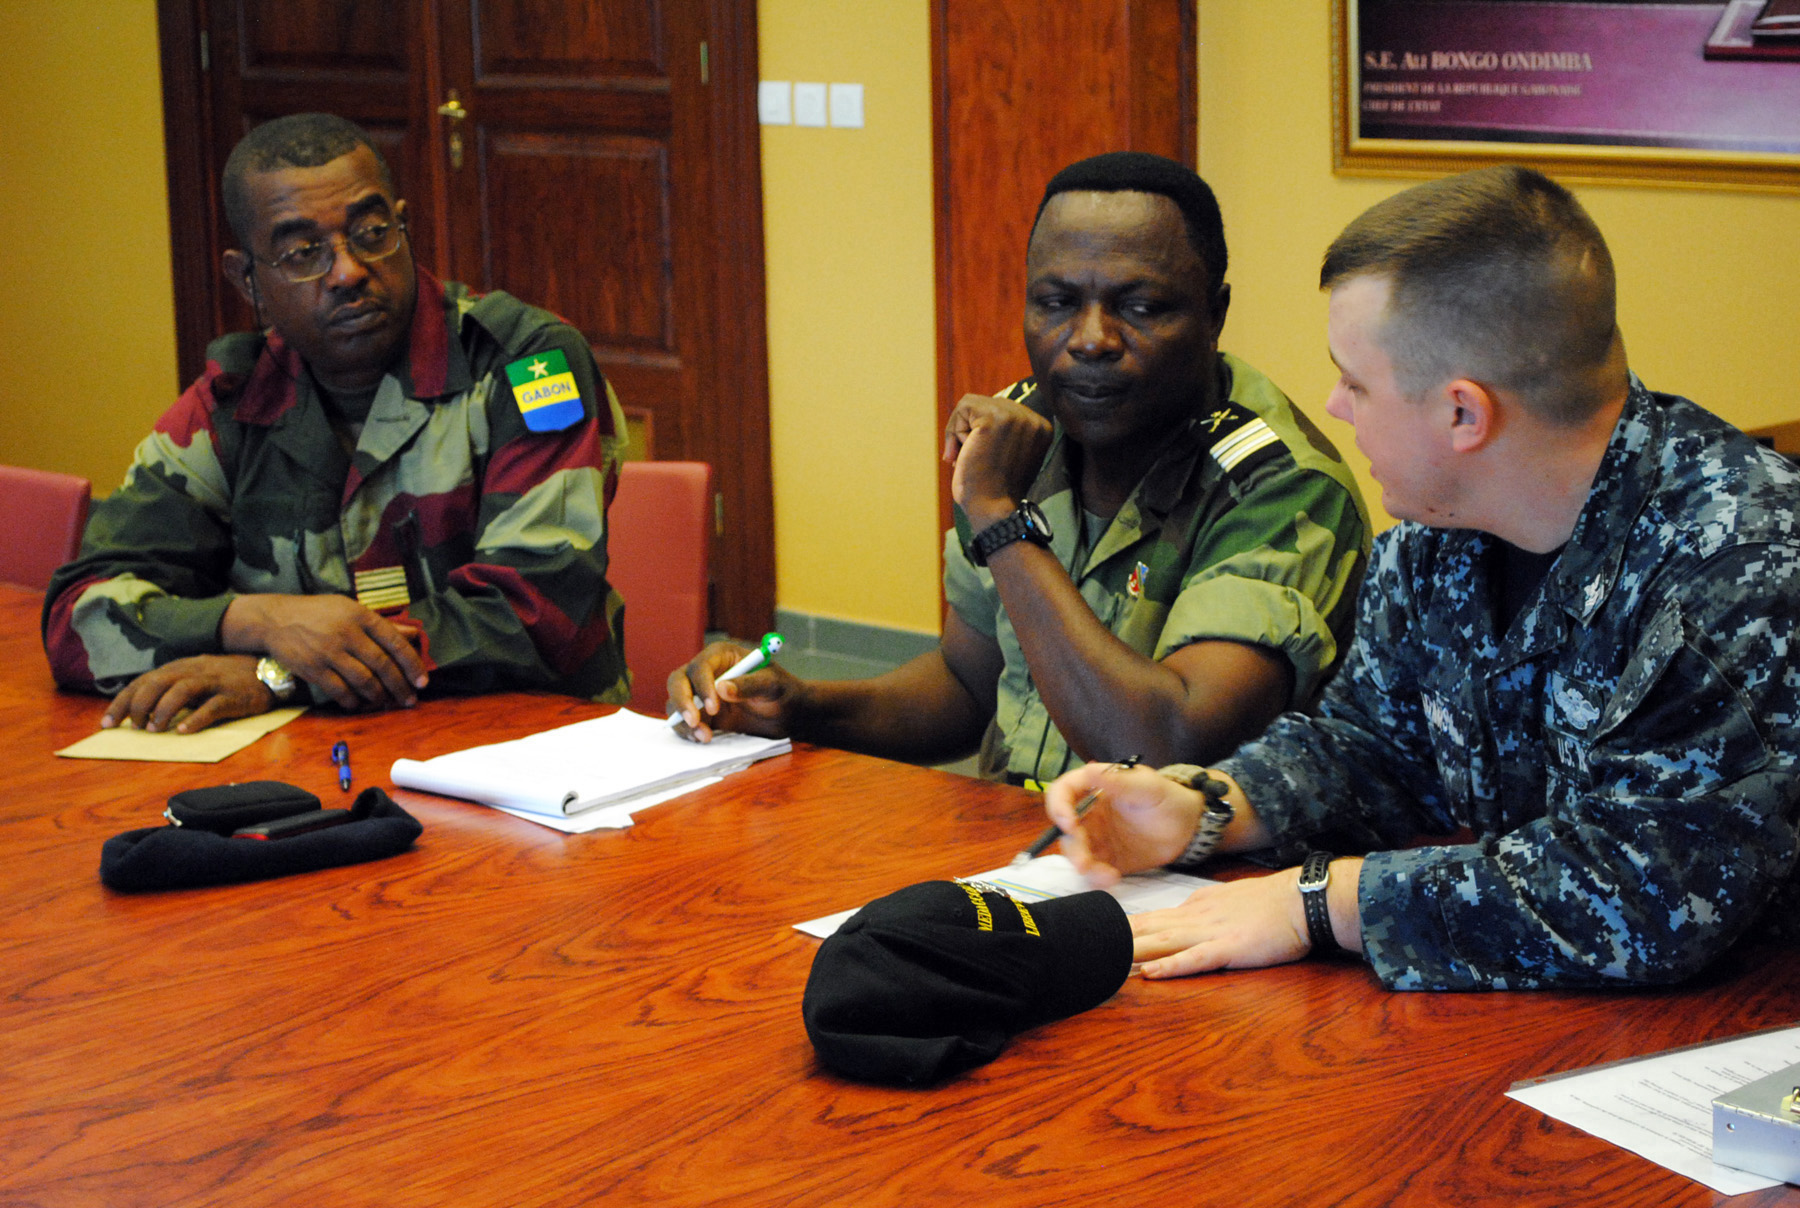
(595, 157)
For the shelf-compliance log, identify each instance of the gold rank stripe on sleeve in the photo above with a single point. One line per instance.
(1240, 444)
(384, 587)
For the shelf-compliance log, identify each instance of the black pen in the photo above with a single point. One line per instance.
(1052, 833)
(340, 755)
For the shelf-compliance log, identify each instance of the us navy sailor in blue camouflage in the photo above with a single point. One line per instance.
(1622, 750)
(1625, 752)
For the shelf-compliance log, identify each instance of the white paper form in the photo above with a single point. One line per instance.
(1661, 1107)
(1054, 877)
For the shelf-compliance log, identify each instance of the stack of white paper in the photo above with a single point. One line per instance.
(1661, 1106)
(617, 761)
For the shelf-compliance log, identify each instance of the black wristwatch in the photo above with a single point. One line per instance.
(1026, 523)
(1315, 877)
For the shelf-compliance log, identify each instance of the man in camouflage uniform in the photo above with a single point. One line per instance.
(1580, 648)
(1154, 552)
(397, 484)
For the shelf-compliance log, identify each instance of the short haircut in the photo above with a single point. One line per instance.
(1141, 172)
(301, 140)
(1497, 275)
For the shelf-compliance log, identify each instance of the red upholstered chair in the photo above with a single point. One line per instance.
(42, 517)
(658, 544)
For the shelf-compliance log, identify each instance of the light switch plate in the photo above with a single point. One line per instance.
(809, 104)
(847, 105)
(773, 108)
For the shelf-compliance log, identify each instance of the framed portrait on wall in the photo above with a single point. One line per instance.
(1680, 92)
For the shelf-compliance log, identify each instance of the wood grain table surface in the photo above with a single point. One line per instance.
(507, 1015)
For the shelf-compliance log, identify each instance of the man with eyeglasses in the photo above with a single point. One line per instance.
(395, 484)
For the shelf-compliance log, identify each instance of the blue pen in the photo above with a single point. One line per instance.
(340, 757)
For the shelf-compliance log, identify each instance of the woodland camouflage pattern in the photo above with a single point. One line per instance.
(1624, 754)
(1248, 528)
(497, 533)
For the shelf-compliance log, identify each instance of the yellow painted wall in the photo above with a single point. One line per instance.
(1709, 281)
(87, 333)
(852, 361)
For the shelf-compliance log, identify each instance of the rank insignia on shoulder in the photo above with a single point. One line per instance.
(545, 391)
(1134, 586)
(1234, 445)
(1224, 415)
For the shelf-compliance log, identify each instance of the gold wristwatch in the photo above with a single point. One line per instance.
(277, 679)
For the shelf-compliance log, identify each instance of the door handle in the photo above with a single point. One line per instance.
(453, 109)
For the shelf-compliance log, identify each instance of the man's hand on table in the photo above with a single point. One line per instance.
(1142, 820)
(357, 658)
(1243, 924)
(217, 687)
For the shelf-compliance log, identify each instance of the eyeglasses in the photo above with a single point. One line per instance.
(367, 242)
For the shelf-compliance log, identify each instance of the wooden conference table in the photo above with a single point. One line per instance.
(507, 1015)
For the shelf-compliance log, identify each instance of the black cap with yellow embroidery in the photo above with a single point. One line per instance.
(934, 979)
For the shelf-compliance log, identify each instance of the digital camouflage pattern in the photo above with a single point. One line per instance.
(1249, 528)
(452, 514)
(1625, 753)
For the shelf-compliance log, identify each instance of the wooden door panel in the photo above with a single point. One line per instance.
(551, 38)
(597, 248)
(337, 36)
(1164, 79)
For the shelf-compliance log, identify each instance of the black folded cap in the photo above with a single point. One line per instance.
(934, 979)
(188, 856)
